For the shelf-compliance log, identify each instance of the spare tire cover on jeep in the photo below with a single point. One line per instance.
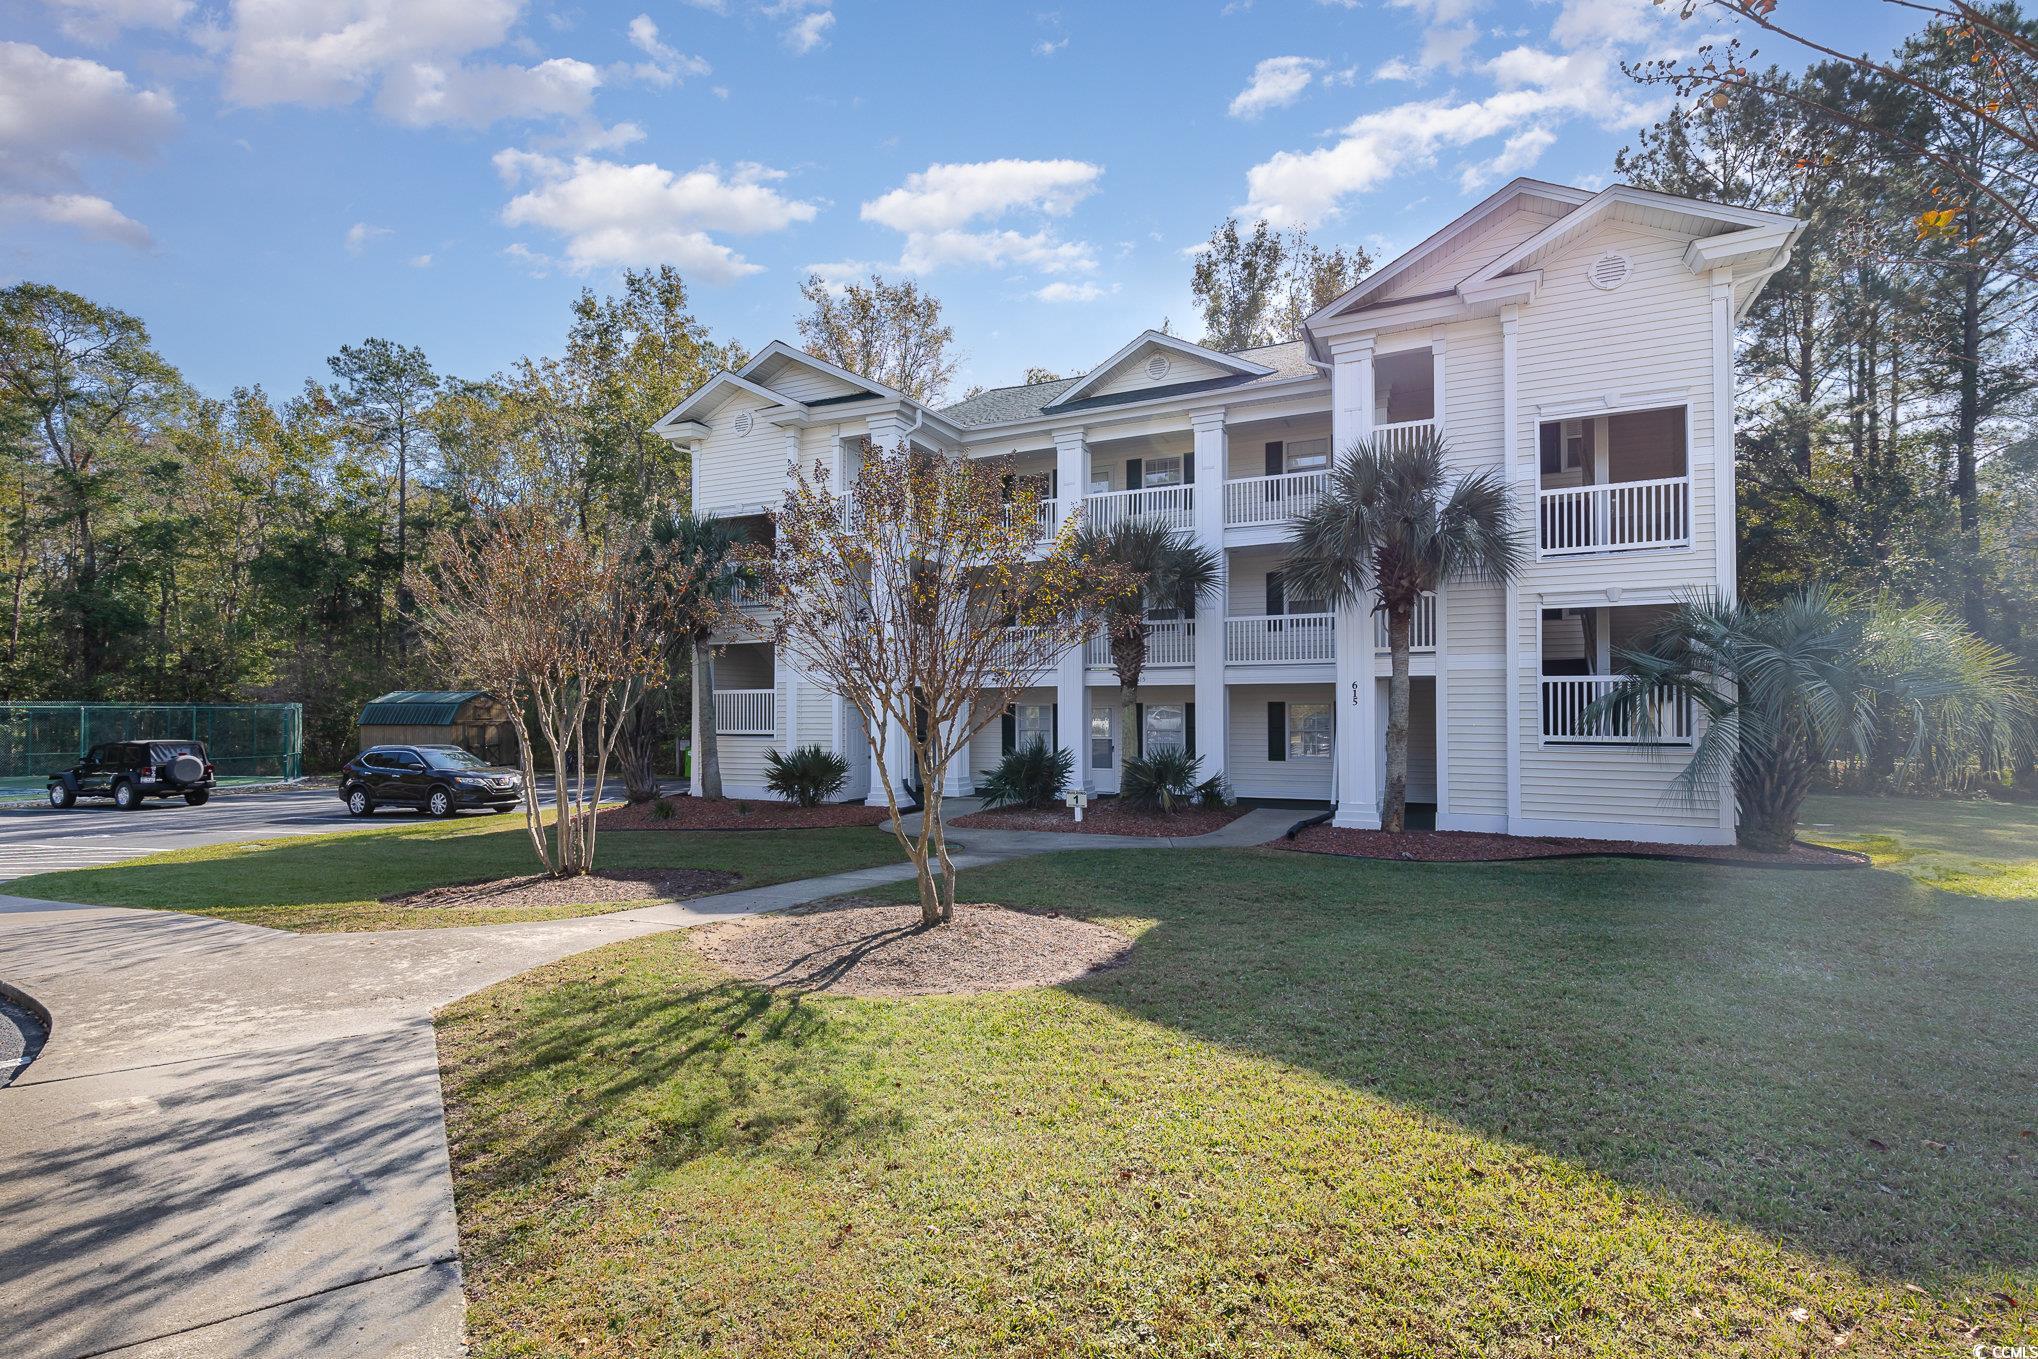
(187, 768)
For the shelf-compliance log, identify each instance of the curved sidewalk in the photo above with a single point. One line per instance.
(233, 1143)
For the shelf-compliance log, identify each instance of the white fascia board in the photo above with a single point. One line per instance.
(1231, 398)
(779, 349)
(1244, 367)
(1604, 200)
(1706, 251)
(1392, 316)
(1443, 236)
(1517, 288)
(719, 383)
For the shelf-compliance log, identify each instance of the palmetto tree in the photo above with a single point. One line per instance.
(1163, 567)
(719, 570)
(1787, 687)
(1395, 522)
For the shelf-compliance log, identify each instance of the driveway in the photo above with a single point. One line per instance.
(233, 1143)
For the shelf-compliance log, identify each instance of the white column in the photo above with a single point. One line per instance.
(887, 431)
(1072, 695)
(1519, 472)
(1725, 514)
(1071, 471)
(1212, 700)
(958, 780)
(1357, 773)
(693, 760)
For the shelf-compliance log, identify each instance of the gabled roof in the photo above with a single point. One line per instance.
(713, 390)
(417, 707)
(1032, 401)
(1446, 236)
(779, 349)
(1679, 213)
(1243, 368)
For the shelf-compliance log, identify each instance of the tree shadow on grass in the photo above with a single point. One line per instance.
(1841, 1062)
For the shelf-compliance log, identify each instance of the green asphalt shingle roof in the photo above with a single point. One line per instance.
(417, 707)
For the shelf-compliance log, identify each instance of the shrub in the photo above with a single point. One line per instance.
(806, 775)
(662, 809)
(1214, 793)
(1031, 776)
(1165, 781)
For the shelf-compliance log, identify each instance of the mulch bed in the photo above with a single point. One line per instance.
(860, 948)
(612, 885)
(692, 813)
(1476, 847)
(1105, 817)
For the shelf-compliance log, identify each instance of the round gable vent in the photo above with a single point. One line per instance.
(744, 420)
(1157, 367)
(1609, 271)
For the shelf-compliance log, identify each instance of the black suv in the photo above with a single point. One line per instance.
(128, 771)
(438, 779)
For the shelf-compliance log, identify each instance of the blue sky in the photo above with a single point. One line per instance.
(264, 180)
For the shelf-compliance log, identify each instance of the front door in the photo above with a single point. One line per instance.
(1103, 742)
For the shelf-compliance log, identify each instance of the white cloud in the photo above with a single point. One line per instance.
(612, 214)
(1072, 292)
(361, 233)
(56, 113)
(420, 261)
(100, 21)
(425, 94)
(1519, 154)
(943, 196)
(811, 20)
(1275, 82)
(927, 251)
(668, 65)
(79, 212)
(1048, 47)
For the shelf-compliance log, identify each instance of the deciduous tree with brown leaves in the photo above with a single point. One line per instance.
(565, 630)
(928, 602)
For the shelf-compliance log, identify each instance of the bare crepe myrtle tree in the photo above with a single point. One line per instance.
(929, 602)
(569, 633)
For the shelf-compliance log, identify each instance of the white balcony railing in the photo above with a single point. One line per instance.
(746, 712)
(1400, 434)
(1253, 501)
(1167, 643)
(1170, 505)
(1622, 516)
(1278, 639)
(1567, 700)
(1045, 516)
(1422, 633)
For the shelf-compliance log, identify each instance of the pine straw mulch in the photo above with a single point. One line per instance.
(1476, 847)
(693, 813)
(647, 885)
(859, 947)
(1105, 816)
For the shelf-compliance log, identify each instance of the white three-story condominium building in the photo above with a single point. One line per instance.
(1579, 342)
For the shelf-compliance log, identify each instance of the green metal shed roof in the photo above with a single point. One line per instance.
(417, 707)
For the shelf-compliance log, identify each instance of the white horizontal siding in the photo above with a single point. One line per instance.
(1627, 785)
(731, 469)
(1246, 455)
(1130, 375)
(1251, 773)
(809, 384)
(1476, 739)
(1466, 255)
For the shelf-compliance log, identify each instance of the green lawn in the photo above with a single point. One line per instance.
(1974, 847)
(336, 882)
(1331, 1107)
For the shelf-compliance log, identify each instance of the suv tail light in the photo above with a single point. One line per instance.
(208, 769)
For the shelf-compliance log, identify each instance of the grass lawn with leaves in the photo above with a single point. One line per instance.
(1972, 846)
(337, 882)
(1329, 1107)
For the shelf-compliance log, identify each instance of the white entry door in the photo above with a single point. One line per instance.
(1104, 753)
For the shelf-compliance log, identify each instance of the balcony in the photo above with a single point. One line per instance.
(746, 712)
(1401, 434)
(1279, 639)
(1250, 502)
(1170, 505)
(1422, 632)
(1047, 513)
(1568, 719)
(1623, 516)
(1167, 643)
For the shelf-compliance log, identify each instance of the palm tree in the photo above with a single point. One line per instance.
(721, 571)
(1163, 566)
(1395, 523)
(1788, 687)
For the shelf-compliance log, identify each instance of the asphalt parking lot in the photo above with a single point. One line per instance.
(41, 839)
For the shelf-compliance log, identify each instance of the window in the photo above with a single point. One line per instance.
(1166, 728)
(1035, 725)
(1280, 600)
(1100, 738)
(1308, 455)
(1100, 481)
(401, 759)
(1163, 472)
(1566, 446)
(1309, 734)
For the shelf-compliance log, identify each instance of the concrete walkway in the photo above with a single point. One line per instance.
(234, 1144)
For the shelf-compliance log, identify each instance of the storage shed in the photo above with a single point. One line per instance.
(436, 717)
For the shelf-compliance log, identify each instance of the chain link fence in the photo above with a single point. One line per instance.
(246, 742)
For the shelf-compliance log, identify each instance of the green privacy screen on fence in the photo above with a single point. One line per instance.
(244, 741)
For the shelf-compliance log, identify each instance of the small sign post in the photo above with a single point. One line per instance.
(1077, 799)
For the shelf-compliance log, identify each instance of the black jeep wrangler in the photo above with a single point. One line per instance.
(128, 771)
